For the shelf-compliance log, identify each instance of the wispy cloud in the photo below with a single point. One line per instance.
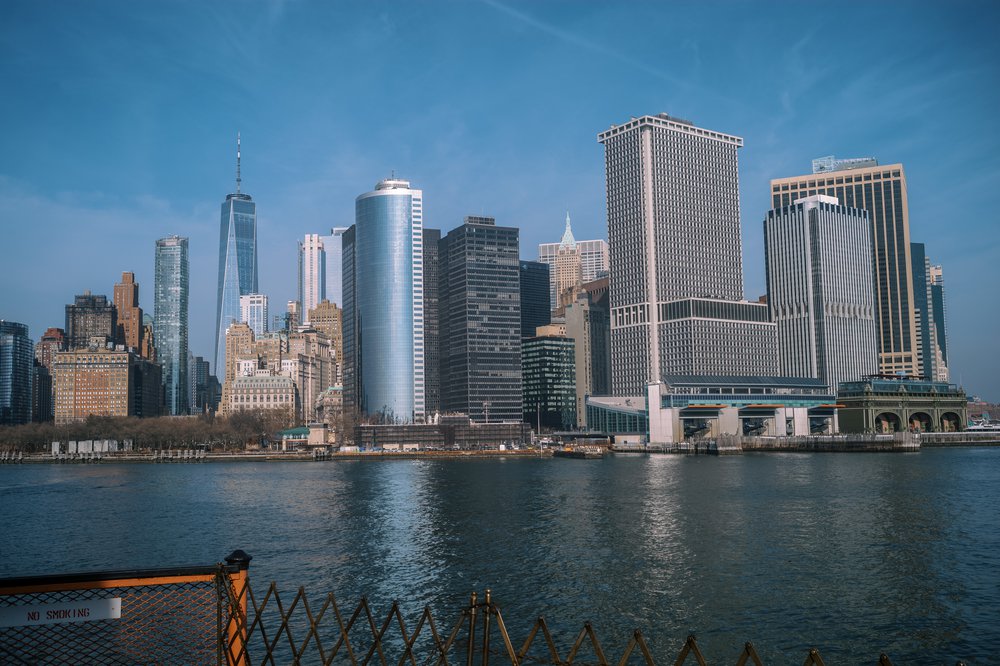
(579, 40)
(83, 257)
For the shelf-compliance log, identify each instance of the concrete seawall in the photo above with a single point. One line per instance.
(857, 443)
(199, 456)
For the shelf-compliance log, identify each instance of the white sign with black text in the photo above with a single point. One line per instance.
(71, 611)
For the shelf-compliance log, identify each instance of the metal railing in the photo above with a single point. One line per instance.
(163, 616)
(211, 614)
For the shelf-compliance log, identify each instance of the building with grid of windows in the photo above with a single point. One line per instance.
(105, 382)
(126, 298)
(334, 249)
(432, 321)
(676, 257)
(938, 312)
(383, 318)
(535, 301)
(53, 340)
(588, 325)
(90, 316)
(572, 262)
(17, 361)
(880, 190)
(328, 319)
(170, 319)
(820, 290)
(549, 382)
(262, 392)
(480, 313)
(928, 298)
(253, 312)
(312, 274)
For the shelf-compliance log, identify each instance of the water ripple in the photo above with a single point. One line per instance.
(853, 554)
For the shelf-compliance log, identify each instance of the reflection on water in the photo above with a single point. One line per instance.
(855, 554)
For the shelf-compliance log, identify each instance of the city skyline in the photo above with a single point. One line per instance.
(158, 148)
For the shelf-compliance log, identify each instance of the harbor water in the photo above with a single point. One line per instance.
(854, 554)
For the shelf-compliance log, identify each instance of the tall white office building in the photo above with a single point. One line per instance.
(312, 275)
(253, 312)
(821, 289)
(334, 246)
(676, 282)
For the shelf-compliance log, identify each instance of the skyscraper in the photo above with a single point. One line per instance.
(312, 274)
(938, 311)
(170, 319)
(536, 305)
(333, 244)
(383, 304)
(676, 258)
(880, 190)
(549, 382)
(53, 340)
(293, 315)
(88, 317)
(572, 262)
(328, 319)
(480, 306)
(565, 272)
(588, 325)
(17, 356)
(130, 328)
(253, 312)
(820, 290)
(105, 382)
(237, 259)
(432, 321)
(928, 299)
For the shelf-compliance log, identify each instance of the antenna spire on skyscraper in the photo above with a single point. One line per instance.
(567, 239)
(238, 179)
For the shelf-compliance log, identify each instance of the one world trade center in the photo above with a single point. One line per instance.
(237, 262)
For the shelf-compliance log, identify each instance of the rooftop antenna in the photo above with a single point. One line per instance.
(238, 179)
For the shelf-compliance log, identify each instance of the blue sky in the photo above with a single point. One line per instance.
(119, 119)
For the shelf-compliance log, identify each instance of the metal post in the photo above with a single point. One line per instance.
(486, 628)
(470, 652)
(236, 631)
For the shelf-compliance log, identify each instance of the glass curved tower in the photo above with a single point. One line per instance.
(237, 260)
(383, 304)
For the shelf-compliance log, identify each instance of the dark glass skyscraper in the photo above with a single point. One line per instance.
(432, 320)
(480, 306)
(170, 320)
(237, 260)
(928, 305)
(535, 297)
(550, 382)
(17, 356)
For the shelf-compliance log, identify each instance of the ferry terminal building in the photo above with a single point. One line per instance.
(693, 407)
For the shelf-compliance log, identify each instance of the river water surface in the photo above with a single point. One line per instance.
(854, 554)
